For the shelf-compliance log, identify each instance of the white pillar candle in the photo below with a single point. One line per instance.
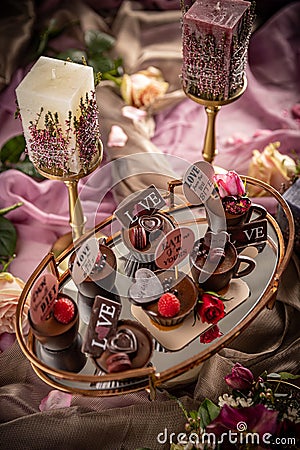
(62, 91)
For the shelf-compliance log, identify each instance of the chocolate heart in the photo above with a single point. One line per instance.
(146, 288)
(124, 341)
(150, 223)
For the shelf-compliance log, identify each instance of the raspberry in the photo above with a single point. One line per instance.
(168, 305)
(64, 310)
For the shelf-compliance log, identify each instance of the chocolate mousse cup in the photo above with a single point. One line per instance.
(216, 275)
(101, 279)
(60, 344)
(185, 290)
(144, 234)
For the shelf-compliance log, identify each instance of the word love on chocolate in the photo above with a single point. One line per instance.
(174, 247)
(43, 295)
(148, 201)
(85, 260)
(198, 182)
(249, 233)
(102, 324)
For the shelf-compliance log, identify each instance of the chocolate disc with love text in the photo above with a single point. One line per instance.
(174, 247)
(43, 295)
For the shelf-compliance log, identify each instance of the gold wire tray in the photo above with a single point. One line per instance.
(164, 366)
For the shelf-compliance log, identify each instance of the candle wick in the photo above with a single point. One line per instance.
(53, 74)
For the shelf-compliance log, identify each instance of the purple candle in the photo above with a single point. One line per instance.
(215, 43)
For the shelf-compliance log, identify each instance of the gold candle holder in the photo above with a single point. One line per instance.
(77, 219)
(212, 107)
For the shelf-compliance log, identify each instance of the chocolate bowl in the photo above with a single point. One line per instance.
(100, 281)
(138, 356)
(185, 290)
(217, 274)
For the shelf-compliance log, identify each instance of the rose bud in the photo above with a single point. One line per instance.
(229, 184)
(240, 378)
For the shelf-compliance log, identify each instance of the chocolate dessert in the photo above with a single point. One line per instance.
(102, 277)
(142, 237)
(58, 336)
(236, 209)
(183, 289)
(130, 347)
(214, 267)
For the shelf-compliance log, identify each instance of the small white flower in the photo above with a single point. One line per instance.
(292, 414)
(226, 399)
(244, 402)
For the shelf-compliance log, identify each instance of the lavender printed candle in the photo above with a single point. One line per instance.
(215, 42)
(59, 114)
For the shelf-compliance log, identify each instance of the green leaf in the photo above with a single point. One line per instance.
(101, 63)
(207, 412)
(12, 150)
(8, 237)
(194, 415)
(288, 376)
(98, 42)
(28, 168)
(53, 30)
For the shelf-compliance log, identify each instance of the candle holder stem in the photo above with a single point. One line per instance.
(209, 149)
(212, 107)
(77, 219)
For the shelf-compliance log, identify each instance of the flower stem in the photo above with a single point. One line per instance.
(4, 211)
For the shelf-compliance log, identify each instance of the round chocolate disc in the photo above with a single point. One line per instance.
(141, 357)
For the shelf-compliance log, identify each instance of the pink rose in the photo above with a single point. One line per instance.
(240, 378)
(142, 88)
(229, 184)
(212, 309)
(10, 291)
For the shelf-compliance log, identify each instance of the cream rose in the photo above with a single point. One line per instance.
(272, 167)
(142, 88)
(10, 291)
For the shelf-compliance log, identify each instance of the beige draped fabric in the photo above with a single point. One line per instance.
(127, 422)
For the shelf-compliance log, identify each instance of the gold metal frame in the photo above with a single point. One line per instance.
(212, 107)
(154, 379)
